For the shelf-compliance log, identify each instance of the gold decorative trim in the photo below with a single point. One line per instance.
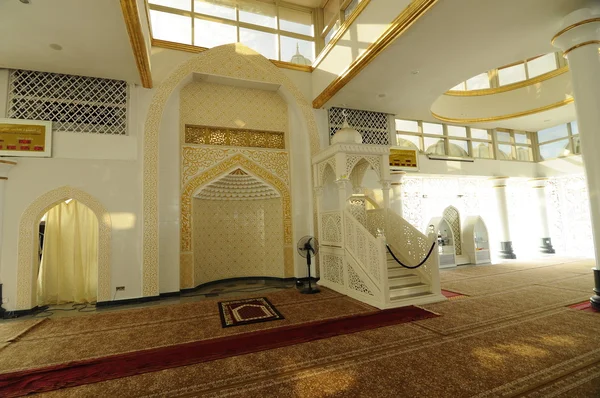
(197, 49)
(8, 162)
(509, 87)
(415, 10)
(568, 28)
(27, 245)
(498, 178)
(504, 117)
(225, 136)
(342, 29)
(499, 186)
(136, 38)
(3, 178)
(585, 43)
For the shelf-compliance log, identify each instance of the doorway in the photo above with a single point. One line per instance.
(68, 261)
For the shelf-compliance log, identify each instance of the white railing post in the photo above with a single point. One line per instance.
(385, 283)
(434, 265)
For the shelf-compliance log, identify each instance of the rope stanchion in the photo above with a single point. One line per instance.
(408, 266)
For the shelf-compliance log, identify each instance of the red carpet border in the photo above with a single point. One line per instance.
(116, 366)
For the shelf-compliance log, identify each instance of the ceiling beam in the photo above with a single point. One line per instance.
(415, 10)
(131, 16)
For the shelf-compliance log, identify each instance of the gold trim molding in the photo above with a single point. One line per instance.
(225, 136)
(171, 45)
(509, 87)
(8, 162)
(131, 16)
(585, 43)
(575, 25)
(415, 10)
(342, 29)
(504, 117)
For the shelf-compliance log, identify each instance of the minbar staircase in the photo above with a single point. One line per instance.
(404, 283)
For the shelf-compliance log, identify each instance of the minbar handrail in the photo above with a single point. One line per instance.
(408, 266)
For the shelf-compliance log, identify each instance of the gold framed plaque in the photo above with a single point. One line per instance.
(404, 159)
(25, 138)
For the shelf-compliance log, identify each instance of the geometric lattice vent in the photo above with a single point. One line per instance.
(373, 126)
(73, 103)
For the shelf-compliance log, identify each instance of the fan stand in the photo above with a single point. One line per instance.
(309, 289)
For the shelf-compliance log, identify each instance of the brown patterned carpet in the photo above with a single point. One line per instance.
(520, 340)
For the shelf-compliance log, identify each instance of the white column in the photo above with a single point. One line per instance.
(579, 39)
(5, 166)
(506, 250)
(397, 191)
(385, 188)
(539, 187)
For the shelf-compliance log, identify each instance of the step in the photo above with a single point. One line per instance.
(399, 271)
(403, 280)
(402, 292)
(410, 296)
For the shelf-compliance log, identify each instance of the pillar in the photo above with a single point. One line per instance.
(579, 39)
(5, 166)
(539, 187)
(385, 188)
(396, 202)
(506, 250)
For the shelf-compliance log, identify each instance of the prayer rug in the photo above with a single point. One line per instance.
(585, 306)
(246, 311)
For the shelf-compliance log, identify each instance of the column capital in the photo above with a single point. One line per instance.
(498, 182)
(5, 166)
(580, 28)
(539, 182)
(318, 191)
(385, 184)
(341, 182)
(396, 177)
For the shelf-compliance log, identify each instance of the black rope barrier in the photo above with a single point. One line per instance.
(408, 266)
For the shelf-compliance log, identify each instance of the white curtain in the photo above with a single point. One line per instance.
(69, 266)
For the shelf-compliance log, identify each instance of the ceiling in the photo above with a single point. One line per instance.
(306, 3)
(92, 35)
(453, 41)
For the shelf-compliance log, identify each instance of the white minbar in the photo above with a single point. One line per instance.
(506, 250)
(5, 166)
(579, 39)
(476, 242)
(539, 187)
(445, 238)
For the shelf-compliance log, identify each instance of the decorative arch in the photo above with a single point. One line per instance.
(212, 174)
(232, 60)
(452, 217)
(354, 160)
(27, 254)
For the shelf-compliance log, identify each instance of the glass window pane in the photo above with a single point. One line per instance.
(297, 51)
(553, 133)
(261, 42)
(457, 131)
(331, 32)
(259, 14)
(512, 74)
(521, 138)
(433, 128)
(351, 7)
(480, 134)
(408, 141)
(555, 149)
(216, 8)
(505, 151)
(503, 136)
(478, 82)
(434, 146)
(574, 128)
(171, 27)
(458, 148)
(541, 65)
(179, 4)
(524, 153)
(211, 34)
(407, 125)
(459, 87)
(482, 150)
(296, 21)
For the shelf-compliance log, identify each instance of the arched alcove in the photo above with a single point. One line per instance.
(28, 253)
(452, 216)
(239, 65)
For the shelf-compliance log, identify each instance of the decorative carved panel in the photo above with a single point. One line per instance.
(206, 135)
